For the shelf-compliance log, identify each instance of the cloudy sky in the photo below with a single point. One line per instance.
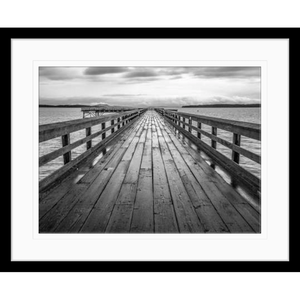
(149, 86)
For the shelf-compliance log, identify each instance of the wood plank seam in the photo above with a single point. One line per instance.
(130, 180)
(238, 210)
(162, 208)
(94, 207)
(187, 218)
(75, 201)
(223, 227)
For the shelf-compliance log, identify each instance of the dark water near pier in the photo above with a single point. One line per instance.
(53, 115)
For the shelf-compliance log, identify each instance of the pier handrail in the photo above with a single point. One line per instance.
(119, 122)
(183, 122)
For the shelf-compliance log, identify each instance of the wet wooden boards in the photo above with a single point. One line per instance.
(150, 182)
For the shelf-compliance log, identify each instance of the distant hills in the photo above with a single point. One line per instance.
(68, 106)
(105, 106)
(223, 105)
(184, 106)
(77, 105)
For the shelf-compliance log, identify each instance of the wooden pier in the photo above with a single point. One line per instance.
(148, 180)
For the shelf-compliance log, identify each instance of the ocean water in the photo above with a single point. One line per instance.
(53, 115)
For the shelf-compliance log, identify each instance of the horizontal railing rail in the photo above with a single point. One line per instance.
(184, 123)
(118, 123)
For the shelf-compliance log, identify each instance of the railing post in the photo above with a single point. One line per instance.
(199, 134)
(112, 122)
(65, 142)
(103, 125)
(213, 132)
(88, 132)
(236, 141)
(190, 125)
(119, 125)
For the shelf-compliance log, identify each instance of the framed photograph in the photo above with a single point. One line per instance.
(151, 149)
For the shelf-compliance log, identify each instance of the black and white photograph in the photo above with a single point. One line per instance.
(149, 149)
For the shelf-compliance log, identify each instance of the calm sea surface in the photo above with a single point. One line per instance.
(53, 115)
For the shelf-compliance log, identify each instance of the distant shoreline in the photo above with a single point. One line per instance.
(184, 106)
(65, 106)
(80, 106)
(222, 105)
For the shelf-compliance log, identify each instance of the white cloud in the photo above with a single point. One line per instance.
(159, 86)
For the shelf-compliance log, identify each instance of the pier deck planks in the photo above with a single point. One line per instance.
(150, 182)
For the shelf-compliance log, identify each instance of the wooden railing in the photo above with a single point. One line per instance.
(119, 122)
(184, 123)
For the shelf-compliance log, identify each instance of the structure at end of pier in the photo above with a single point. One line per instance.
(96, 111)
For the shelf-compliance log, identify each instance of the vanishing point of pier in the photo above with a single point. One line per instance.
(146, 176)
